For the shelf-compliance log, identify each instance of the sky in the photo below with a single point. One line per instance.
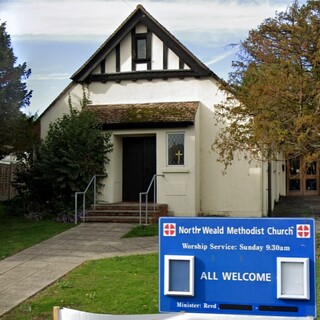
(56, 37)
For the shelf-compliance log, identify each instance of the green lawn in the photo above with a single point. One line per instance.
(18, 233)
(143, 231)
(119, 285)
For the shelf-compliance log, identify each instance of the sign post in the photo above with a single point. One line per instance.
(252, 267)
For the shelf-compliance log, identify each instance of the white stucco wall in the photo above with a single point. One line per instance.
(157, 56)
(200, 187)
(111, 62)
(177, 187)
(125, 54)
(61, 107)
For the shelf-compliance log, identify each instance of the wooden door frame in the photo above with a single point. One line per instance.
(302, 176)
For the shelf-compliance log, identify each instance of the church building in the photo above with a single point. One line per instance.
(157, 99)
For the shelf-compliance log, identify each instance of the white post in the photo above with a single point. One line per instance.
(83, 207)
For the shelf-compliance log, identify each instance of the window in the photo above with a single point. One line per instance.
(176, 149)
(141, 48)
(141, 51)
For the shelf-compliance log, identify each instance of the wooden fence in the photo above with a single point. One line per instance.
(7, 191)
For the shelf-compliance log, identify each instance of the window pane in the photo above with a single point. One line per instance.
(311, 184)
(176, 149)
(141, 48)
(311, 168)
(294, 166)
(294, 184)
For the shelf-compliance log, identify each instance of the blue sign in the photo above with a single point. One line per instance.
(262, 267)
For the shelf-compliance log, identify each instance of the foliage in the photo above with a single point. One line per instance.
(73, 151)
(13, 95)
(273, 103)
(119, 285)
(26, 134)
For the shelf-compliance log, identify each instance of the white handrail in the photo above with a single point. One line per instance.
(146, 193)
(94, 181)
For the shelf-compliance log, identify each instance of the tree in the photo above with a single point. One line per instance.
(13, 93)
(73, 151)
(273, 104)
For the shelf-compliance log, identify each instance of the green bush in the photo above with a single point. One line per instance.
(73, 151)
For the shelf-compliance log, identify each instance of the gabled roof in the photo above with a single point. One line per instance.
(146, 115)
(140, 15)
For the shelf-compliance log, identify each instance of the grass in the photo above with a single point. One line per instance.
(143, 231)
(102, 286)
(18, 233)
(120, 285)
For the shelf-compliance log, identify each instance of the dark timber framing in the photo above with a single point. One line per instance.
(118, 63)
(147, 125)
(139, 75)
(181, 64)
(103, 66)
(140, 15)
(165, 56)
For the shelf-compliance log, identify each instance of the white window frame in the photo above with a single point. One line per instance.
(295, 285)
(167, 291)
(184, 149)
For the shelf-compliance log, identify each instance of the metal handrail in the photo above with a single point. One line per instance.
(146, 193)
(94, 181)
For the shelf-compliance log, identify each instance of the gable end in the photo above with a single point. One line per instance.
(145, 40)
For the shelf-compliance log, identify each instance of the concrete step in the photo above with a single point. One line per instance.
(125, 212)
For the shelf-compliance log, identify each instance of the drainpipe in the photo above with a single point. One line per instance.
(269, 189)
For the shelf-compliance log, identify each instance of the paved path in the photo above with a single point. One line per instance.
(25, 273)
(302, 206)
(299, 207)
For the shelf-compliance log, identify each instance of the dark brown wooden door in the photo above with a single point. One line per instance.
(302, 177)
(139, 166)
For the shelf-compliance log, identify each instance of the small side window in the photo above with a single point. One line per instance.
(176, 149)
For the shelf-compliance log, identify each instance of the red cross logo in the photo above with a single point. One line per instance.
(303, 231)
(169, 229)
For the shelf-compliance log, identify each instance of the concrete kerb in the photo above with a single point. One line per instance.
(27, 272)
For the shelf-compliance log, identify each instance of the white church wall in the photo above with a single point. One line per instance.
(61, 107)
(125, 54)
(111, 62)
(157, 53)
(173, 60)
(236, 193)
(201, 187)
(177, 188)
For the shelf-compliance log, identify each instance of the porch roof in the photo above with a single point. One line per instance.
(143, 115)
